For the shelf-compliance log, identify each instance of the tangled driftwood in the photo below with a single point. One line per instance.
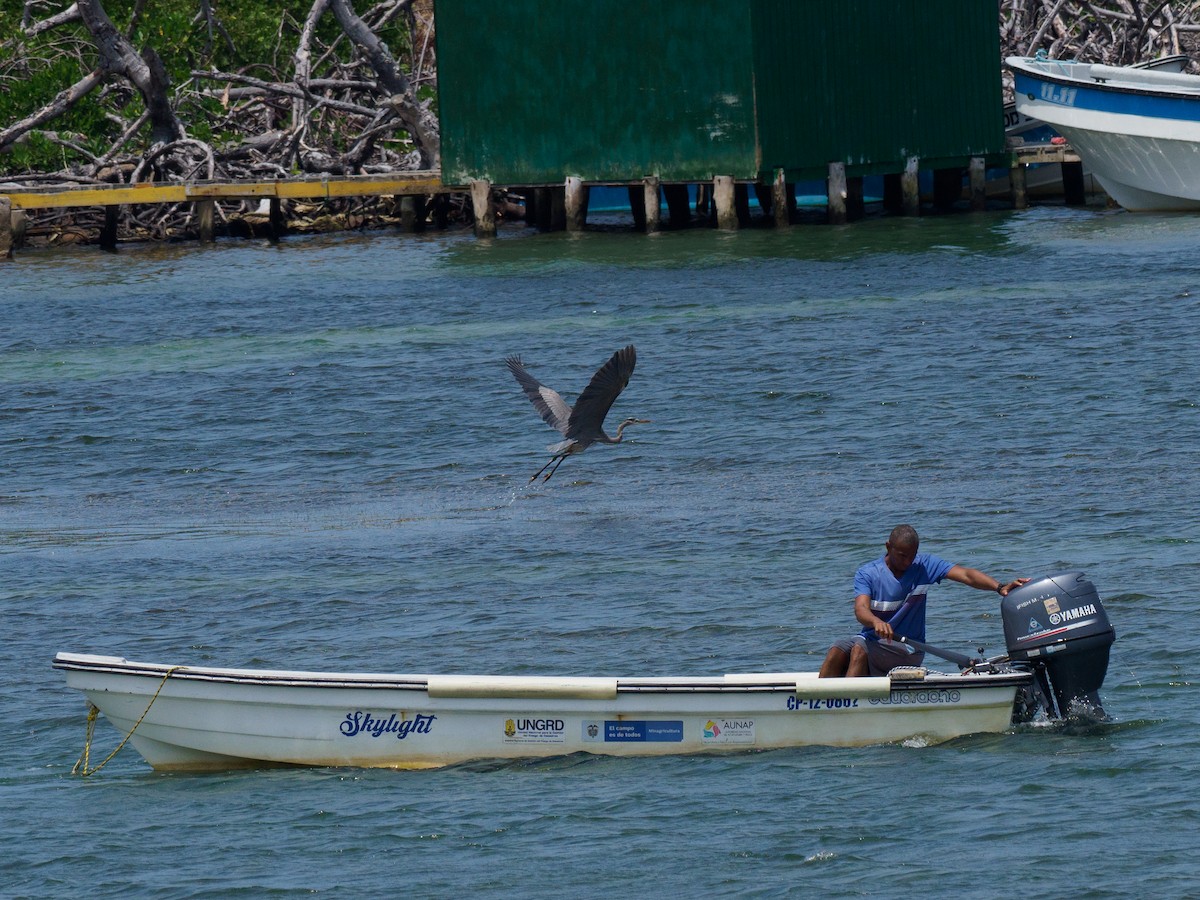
(342, 106)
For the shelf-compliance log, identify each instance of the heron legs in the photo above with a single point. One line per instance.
(556, 460)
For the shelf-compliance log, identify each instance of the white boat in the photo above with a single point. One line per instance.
(196, 718)
(200, 718)
(1137, 129)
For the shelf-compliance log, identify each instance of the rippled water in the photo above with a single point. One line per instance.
(311, 456)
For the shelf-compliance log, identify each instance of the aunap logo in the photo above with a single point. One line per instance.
(712, 729)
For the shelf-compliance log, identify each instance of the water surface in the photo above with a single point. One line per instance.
(311, 456)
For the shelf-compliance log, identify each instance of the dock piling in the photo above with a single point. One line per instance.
(558, 207)
(277, 223)
(205, 214)
(575, 201)
(704, 206)
(1073, 186)
(1016, 183)
(679, 209)
(723, 196)
(779, 200)
(108, 233)
(412, 213)
(650, 197)
(835, 189)
(485, 211)
(856, 203)
(978, 179)
(741, 204)
(910, 188)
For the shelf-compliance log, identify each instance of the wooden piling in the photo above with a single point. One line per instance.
(910, 188)
(6, 230)
(947, 187)
(723, 196)
(978, 183)
(558, 207)
(485, 212)
(652, 202)
(412, 213)
(278, 224)
(779, 200)
(741, 204)
(205, 215)
(637, 206)
(764, 194)
(1016, 185)
(1073, 187)
(835, 190)
(20, 225)
(856, 204)
(575, 202)
(108, 233)
(679, 208)
(704, 206)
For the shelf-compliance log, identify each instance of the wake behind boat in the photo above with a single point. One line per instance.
(1136, 128)
(197, 718)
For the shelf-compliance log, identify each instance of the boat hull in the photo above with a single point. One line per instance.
(1136, 130)
(204, 719)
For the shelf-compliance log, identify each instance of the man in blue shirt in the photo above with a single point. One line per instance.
(890, 603)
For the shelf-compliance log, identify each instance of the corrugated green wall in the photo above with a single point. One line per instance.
(872, 82)
(532, 91)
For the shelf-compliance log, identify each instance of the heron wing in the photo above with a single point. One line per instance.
(587, 418)
(552, 408)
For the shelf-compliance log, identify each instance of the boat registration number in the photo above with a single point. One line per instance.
(1059, 93)
(822, 703)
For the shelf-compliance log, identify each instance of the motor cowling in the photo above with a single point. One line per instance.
(1058, 626)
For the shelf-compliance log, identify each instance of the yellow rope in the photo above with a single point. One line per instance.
(81, 764)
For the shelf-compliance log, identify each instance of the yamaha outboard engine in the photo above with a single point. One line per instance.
(1058, 626)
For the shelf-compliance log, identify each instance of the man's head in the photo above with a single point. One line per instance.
(901, 548)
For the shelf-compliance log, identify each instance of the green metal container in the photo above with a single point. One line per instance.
(532, 91)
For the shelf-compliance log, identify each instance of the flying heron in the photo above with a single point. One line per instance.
(583, 424)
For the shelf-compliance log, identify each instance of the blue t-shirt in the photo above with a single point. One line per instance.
(900, 601)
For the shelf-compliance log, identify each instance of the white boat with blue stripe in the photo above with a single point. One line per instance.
(1137, 129)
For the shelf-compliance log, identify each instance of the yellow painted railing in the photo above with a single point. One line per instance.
(307, 188)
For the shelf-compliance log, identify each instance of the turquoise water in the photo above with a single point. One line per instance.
(311, 456)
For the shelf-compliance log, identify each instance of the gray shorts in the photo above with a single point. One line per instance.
(881, 657)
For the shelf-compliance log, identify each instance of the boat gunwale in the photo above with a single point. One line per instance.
(1102, 86)
(364, 681)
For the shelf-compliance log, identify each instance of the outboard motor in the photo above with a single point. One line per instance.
(1058, 626)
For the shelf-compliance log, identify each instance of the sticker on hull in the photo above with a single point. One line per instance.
(630, 731)
(535, 731)
(728, 731)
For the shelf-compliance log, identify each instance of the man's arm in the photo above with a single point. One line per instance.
(976, 579)
(862, 612)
